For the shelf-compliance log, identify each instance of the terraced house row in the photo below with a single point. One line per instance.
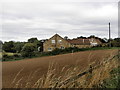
(57, 41)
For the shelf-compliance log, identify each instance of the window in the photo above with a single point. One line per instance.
(49, 49)
(59, 41)
(53, 41)
(94, 44)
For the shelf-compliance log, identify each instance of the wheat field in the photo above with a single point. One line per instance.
(63, 72)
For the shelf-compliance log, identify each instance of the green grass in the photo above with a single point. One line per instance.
(113, 81)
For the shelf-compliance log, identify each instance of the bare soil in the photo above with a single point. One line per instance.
(34, 68)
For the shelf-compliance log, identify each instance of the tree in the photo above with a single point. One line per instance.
(40, 46)
(18, 46)
(37, 43)
(1, 44)
(92, 36)
(9, 46)
(105, 40)
(32, 40)
(81, 37)
(28, 50)
(115, 42)
(66, 37)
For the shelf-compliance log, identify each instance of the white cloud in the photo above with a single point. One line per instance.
(60, 1)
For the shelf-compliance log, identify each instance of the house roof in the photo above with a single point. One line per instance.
(79, 41)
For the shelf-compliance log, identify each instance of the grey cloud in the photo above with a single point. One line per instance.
(26, 20)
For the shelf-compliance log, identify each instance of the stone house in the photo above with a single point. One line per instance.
(57, 41)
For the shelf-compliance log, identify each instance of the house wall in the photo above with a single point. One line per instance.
(59, 43)
(81, 46)
(95, 42)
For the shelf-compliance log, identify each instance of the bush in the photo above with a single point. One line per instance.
(113, 82)
(7, 57)
(28, 50)
(16, 55)
(56, 52)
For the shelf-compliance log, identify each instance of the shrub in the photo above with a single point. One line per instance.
(7, 57)
(16, 55)
(113, 82)
(28, 50)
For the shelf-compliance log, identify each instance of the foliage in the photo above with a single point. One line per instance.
(28, 50)
(66, 37)
(115, 42)
(13, 47)
(36, 42)
(39, 44)
(18, 46)
(34, 53)
(70, 50)
(9, 46)
(1, 44)
(32, 40)
(113, 82)
(11, 57)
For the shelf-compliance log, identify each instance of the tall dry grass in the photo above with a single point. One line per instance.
(68, 77)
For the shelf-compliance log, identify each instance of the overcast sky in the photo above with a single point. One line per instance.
(23, 19)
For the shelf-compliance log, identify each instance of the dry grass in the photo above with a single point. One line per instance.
(55, 79)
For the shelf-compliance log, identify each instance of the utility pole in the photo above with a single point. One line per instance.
(109, 36)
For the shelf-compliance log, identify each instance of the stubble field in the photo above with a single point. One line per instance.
(28, 71)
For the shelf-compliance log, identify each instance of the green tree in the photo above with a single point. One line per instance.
(32, 40)
(37, 43)
(18, 46)
(115, 42)
(9, 46)
(66, 37)
(92, 36)
(1, 44)
(28, 50)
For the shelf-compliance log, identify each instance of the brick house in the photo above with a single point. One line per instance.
(57, 41)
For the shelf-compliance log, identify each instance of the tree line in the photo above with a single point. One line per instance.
(26, 49)
(34, 47)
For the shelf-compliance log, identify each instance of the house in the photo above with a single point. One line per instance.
(57, 41)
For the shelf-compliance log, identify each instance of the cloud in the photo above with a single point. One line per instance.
(59, 1)
(31, 19)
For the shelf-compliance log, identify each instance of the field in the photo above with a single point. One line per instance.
(27, 72)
